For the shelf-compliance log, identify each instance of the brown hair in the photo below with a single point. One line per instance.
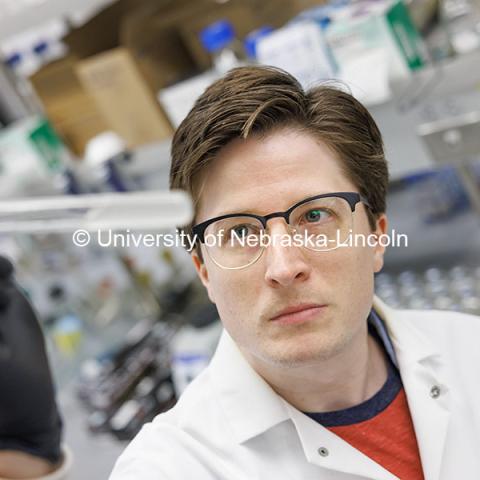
(260, 99)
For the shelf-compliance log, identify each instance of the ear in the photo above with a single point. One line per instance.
(202, 273)
(379, 250)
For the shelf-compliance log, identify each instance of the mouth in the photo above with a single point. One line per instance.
(298, 314)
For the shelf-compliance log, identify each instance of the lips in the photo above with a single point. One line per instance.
(295, 309)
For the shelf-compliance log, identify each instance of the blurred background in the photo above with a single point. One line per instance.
(90, 94)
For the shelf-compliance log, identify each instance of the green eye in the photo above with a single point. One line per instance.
(314, 215)
(240, 231)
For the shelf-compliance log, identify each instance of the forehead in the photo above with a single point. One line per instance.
(262, 174)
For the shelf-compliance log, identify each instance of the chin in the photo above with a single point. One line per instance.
(302, 352)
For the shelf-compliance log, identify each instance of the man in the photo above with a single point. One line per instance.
(314, 377)
(30, 423)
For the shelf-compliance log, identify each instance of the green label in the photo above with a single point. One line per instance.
(48, 144)
(406, 35)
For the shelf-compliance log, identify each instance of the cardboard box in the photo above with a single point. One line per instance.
(158, 50)
(70, 109)
(123, 97)
(160, 54)
(77, 130)
(103, 31)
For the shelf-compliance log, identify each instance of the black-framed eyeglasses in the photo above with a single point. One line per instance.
(318, 223)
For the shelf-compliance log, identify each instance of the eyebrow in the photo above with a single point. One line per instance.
(251, 212)
(236, 212)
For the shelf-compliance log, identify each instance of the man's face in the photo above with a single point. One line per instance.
(269, 174)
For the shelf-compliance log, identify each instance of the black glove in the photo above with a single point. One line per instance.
(29, 418)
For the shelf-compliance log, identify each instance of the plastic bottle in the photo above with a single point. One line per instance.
(24, 100)
(67, 328)
(48, 50)
(104, 156)
(220, 41)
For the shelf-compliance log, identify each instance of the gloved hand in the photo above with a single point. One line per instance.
(29, 418)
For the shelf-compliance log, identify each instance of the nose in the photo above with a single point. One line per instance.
(285, 264)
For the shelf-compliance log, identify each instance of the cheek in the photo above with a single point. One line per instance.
(352, 284)
(349, 271)
(360, 281)
(234, 295)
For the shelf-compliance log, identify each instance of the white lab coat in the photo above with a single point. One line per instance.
(230, 425)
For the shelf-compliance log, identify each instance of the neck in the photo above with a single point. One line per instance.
(348, 379)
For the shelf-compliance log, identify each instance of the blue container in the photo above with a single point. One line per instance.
(217, 36)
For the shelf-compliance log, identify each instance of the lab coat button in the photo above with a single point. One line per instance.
(435, 391)
(323, 452)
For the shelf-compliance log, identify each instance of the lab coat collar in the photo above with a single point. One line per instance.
(250, 404)
(423, 369)
(409, 342)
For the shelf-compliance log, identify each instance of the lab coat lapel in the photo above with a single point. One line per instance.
(430, 417)
(249, 403)
(342, 457)
(422, 370)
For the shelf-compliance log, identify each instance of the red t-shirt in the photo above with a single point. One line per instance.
(388, 438)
